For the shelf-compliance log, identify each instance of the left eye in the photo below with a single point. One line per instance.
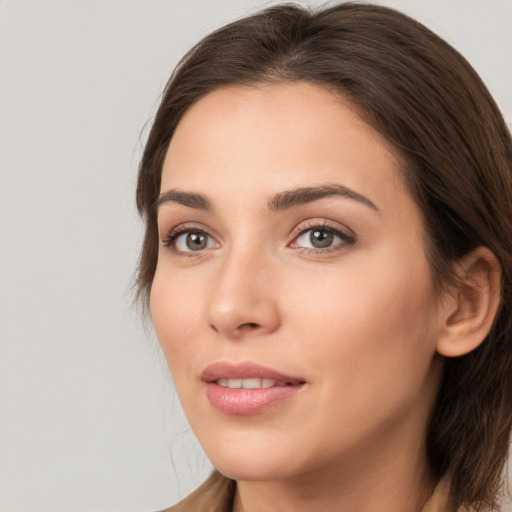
(319, 238)
(193, 241)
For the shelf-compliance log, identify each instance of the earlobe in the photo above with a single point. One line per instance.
(469, 312)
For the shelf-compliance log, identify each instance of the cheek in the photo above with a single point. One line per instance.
(366, 329)
(174, 312)
(369, 357)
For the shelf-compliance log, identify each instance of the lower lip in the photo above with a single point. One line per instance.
(245, 402)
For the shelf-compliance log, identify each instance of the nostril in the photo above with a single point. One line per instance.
(250, 325)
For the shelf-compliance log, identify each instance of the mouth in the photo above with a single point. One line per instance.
(247, 388)
(252, 383)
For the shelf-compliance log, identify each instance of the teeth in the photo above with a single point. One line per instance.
(248, 383)
(252, 383)
(267, 383)
(234, 383)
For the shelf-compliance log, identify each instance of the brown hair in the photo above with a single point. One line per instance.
(456, 150)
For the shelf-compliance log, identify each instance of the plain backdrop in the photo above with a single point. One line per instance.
(89, 421)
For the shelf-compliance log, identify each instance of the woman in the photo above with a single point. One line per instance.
(327, 263)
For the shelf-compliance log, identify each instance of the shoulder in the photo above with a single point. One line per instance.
(215, 495)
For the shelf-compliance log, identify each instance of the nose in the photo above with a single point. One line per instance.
(243, 300)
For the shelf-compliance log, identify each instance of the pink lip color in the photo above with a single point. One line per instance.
(247, 401)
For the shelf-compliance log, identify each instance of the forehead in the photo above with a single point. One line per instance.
(270, 137)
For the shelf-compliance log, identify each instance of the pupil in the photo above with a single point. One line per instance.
(320, 239)
(196, 241)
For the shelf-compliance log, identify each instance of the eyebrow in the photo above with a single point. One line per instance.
(281, 201)
(190, 199)
(298, 196)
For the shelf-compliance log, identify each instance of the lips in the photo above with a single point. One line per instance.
(247, 388)
(246, 371)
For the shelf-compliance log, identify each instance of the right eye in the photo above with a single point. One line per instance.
(190, 240)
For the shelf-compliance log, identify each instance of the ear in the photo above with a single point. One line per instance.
(472, 304)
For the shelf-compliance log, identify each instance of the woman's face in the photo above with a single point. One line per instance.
(292, 296)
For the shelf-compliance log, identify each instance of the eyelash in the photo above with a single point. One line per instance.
(170, 239)
(347, 239)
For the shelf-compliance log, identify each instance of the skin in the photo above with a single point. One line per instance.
(359, 320)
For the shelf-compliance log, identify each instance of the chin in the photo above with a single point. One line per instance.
(255, 463)
(246, 470)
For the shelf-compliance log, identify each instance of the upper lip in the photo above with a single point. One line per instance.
(246, 370)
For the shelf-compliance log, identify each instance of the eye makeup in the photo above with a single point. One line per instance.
(311, 237)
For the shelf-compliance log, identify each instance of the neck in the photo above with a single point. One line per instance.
(393, 478)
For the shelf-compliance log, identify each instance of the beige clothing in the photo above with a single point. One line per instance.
(218, 492)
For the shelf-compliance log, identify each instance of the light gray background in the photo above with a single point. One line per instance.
(89, 421)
